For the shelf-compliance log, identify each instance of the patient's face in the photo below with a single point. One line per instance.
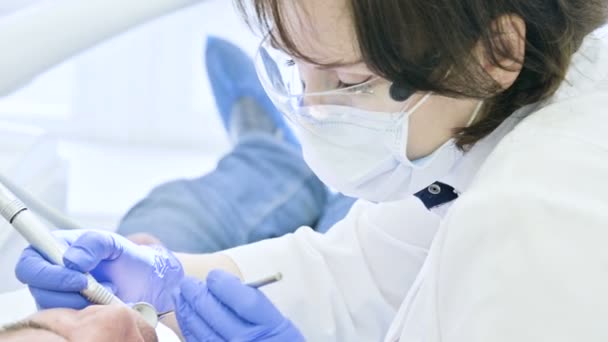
(95, 324)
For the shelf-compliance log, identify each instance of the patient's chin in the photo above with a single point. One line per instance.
(147, 332)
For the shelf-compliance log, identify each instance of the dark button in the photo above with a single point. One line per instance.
(437, 194)
(434, 189)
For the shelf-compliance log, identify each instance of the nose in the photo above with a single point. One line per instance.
(120, 323)
(317, 80)
(313, 83)
(321, 88)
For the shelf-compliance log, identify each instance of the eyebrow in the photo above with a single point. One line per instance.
(337, 65)
(26, 325)
(324, 66)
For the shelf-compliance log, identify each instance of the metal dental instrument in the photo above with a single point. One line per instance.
(151, 316)
(266, 281)
(39, 236)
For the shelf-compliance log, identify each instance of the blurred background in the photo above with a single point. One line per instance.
(97, 133)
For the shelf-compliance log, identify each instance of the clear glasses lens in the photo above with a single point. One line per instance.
(311, 98)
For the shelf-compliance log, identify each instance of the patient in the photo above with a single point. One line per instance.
(92, 324)
(261, 189)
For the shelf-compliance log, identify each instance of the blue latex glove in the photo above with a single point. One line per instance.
(224, 309)
(133, 273)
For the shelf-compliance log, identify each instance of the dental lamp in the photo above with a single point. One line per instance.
(43, 35)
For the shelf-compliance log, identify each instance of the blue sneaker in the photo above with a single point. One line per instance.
(242, 102)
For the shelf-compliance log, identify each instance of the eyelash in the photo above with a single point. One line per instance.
(364, 89)
(291, 62)
(348, 85)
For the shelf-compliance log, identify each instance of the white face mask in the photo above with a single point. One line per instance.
(354, 137)
(366, 158)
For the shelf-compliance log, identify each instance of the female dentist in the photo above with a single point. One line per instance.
(400, 103)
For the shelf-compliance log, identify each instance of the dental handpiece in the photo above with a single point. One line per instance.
(37, 234)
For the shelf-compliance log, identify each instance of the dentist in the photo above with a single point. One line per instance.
(474, 133)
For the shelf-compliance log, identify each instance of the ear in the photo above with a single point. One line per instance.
(504, 58)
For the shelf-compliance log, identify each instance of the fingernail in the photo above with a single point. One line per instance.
(217, 279)
(190, 287)
(214, 276)
(70, 257)
(181, 305)
(69, 264)
(77, 259)
(80, 281)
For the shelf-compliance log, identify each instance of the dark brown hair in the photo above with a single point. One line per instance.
(416, 42)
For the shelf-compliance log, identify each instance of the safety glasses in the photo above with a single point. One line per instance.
(306, 93)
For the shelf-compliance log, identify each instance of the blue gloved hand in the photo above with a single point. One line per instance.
(133, 273)
(224, 309)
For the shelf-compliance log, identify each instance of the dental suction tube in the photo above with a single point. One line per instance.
(37, 234)
(39, 37)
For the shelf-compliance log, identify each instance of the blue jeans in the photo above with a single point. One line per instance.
(262, 189)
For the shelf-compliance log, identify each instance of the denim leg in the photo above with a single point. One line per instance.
(261, 189)
(335, 210)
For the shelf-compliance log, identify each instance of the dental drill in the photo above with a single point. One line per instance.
(40, 237)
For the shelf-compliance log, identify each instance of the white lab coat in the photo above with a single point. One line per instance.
(521, 256)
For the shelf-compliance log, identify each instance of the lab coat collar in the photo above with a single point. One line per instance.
(588, 72)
